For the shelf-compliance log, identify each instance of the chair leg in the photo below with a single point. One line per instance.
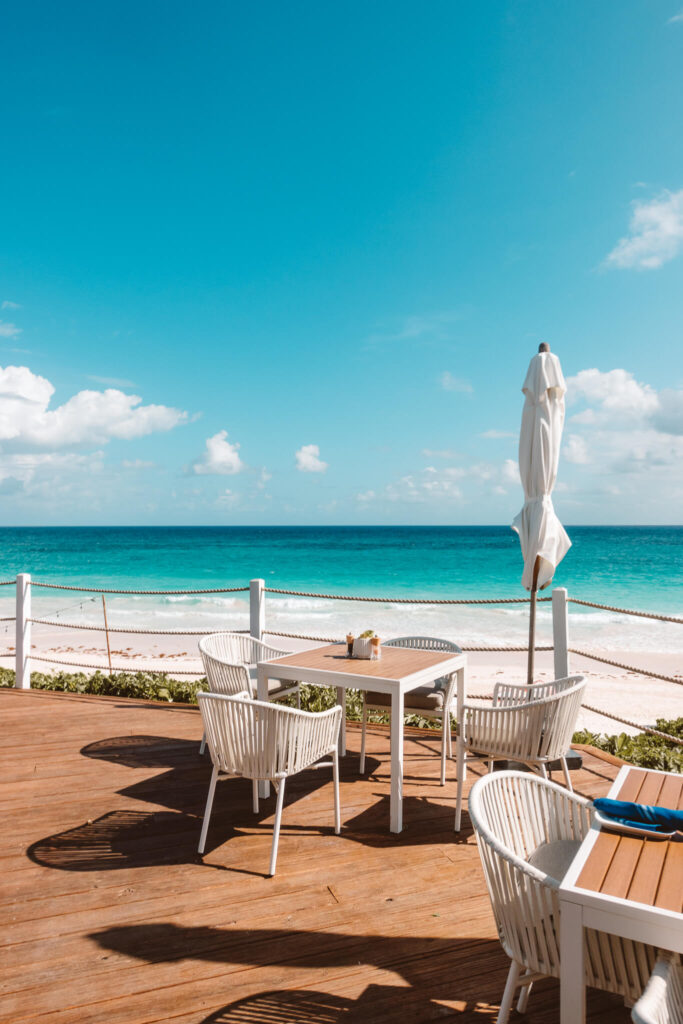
(444, 744)
(567, 776)
(207, 809)
(460, 769)
(524, 994)
(448, 734)
(254, 795)
(543, 770)
(276, 826)
(509, 993)
(335, 777)
(202, 745)
(362, 738)
(298, 697)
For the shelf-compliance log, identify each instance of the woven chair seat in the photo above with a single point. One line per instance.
(424, 698)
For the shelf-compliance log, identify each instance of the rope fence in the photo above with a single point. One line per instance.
(128, 629)
(635, 725)
(626, 611)
(109, 590)
(121, 668)
(404, 600)
(170, 670)
(627, 668)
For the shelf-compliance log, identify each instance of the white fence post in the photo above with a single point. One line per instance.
(257, 608)
(560, 632)
(22, 642)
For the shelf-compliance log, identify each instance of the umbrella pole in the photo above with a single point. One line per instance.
(532, 622)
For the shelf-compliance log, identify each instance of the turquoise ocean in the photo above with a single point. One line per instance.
(633, 567)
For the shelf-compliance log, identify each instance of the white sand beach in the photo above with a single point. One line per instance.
(629, 694)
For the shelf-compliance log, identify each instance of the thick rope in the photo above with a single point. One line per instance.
(404, 600)
(336, 640)
(626, 611)
(121, 668)
(7, 583)
(8, 618)
(635, 725)
(627, 668)
(129, 629)
(105, 590)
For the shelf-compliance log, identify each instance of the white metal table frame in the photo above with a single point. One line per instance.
(397, 688)
(583, 908)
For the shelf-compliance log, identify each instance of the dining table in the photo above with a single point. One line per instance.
(396, 672)
(625, 884)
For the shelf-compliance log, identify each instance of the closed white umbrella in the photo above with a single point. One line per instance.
(542, 537)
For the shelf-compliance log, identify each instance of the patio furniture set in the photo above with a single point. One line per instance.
(549, 869)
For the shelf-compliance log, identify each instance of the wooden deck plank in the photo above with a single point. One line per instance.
(120, 922)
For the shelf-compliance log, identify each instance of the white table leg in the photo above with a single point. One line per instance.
(262, 694)
(459, 701)
(396, 801)
(572, 976)
(341, 700)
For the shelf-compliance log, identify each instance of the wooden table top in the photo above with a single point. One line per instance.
(644, 870)
(395, 662)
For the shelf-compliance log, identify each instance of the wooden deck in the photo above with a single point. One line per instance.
(110, 917)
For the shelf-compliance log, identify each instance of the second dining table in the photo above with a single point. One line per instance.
(398, 671)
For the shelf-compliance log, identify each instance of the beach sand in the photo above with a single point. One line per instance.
(629, 694)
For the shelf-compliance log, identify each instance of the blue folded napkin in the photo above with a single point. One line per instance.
(654, 819)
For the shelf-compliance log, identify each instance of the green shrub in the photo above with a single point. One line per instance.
(644, 750)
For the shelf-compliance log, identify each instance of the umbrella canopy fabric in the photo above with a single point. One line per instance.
(540, 531)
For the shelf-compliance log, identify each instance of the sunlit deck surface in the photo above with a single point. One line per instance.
(109, 915)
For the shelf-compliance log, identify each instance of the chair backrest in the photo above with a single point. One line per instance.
(662, 1000)
(227, 658)
(238, 648)
(536, 729)
(224, 677)
(513, 813)
(259, 740)
(424, 643)
(507, 694)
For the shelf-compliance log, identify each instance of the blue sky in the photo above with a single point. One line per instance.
(334, 234)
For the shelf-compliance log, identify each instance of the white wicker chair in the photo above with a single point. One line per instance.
(261, 741)
(528, 831)
(529, 724)
(662, 1000)
(435, 701)
(230, 660)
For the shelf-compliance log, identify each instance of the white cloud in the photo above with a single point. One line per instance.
(220, 458)
(10, 305)
(656, 233)
(450, 383)
(627, 430)
(308, 459)
(615, 392)
(8, 330)
(228, 498)
(440, 453)
(675, 18)
(87, 418)
(365, 496)
(576, 450)
(137, 464)
(425, 327)
(264, 477)
(494, 435)
(511, 472)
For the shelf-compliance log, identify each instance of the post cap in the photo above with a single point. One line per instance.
(544, 347)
